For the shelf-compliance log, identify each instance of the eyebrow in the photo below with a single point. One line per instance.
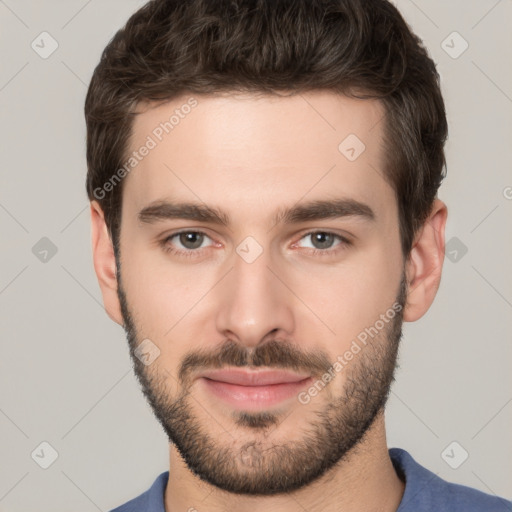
(314, 210)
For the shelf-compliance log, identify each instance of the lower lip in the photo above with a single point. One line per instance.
(254, 397)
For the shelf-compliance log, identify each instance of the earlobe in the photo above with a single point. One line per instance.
(425, 263)
(105, 263)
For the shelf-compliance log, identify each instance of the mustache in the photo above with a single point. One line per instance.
(275, 354)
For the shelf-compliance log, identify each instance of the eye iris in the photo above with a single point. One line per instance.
(324, 240)
(191, 240)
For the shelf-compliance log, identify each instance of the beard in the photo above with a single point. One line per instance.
(253, 464)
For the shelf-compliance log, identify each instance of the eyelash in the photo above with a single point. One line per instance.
(192, 253)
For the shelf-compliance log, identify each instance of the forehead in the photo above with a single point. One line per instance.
(238, 150)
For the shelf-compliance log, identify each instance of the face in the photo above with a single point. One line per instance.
(286, 257)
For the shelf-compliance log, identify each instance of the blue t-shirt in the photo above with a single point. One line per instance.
(424, 492)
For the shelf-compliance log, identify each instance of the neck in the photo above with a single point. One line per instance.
(365, 480)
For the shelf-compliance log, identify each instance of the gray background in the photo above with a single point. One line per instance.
(65, 373)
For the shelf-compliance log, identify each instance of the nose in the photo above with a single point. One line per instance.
(254, 302)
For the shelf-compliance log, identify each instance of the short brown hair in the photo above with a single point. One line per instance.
(360, 48)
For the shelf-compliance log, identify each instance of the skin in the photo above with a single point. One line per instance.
(250, 156)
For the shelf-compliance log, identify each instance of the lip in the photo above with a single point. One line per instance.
(254, 378)
(254, 391)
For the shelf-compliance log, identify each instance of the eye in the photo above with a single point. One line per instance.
(191, 239)
(191, 243)
(187, 242)
(324, 241)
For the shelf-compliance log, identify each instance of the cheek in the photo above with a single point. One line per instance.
(163, 296)
(349, 297)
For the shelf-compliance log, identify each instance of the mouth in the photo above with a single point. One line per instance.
(253, 390)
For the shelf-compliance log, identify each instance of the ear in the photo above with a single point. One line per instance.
(105, 263)
(425, 263)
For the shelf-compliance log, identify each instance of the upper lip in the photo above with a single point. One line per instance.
(254, 378)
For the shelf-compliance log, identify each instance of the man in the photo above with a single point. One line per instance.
(263, 180)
